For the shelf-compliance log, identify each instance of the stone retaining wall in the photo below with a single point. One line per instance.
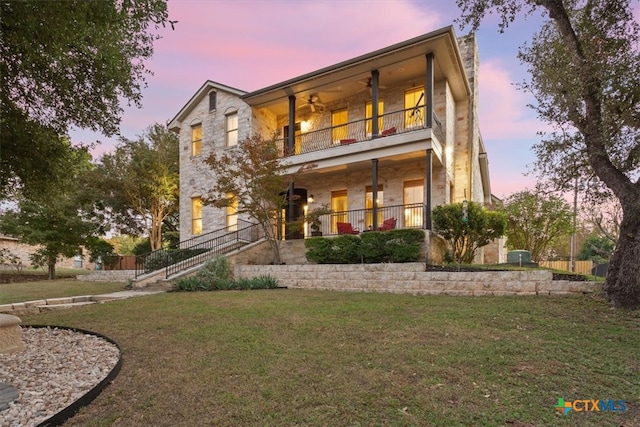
(108, 276)
(411, 278)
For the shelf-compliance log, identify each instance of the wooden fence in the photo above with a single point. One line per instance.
(582, 267)
(121, 262)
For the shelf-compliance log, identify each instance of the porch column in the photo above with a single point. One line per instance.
(290, 144)
(427, 189)
(374, 192)
(428, 88)
(292, 125)
(375, 81)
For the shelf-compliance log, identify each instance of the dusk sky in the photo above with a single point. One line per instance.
(252, 44)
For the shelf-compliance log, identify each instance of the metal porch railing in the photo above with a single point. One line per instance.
(405, 216)
(396, 122)
(194, 251)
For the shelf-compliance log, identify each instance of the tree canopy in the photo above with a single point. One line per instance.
(67, 63)
(253, 178)
(60, 224)
(137, 185)
(583, 73)
(467, 235)
(536, 221)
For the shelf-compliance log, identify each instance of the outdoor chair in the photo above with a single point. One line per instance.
(388, 224)
(387, 132)
(346, 228)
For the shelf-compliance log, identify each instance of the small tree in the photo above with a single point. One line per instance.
(139, 183)
(536, 220)
(597, 249)
(466, 235)
(56, 227)
(257, 178)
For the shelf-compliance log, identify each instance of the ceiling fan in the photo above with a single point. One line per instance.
(312, 103)
(367, 85)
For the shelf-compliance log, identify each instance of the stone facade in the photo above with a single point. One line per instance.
(454, 138)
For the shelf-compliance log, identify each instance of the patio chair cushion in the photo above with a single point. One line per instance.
(388, 224)
(347, 141)
(388, 132)
(346, 228)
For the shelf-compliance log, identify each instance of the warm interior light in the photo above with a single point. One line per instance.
(305, 126)
(310, 199)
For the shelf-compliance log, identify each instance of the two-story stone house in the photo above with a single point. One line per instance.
(393, 133)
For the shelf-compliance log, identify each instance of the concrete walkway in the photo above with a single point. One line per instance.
(70, 302)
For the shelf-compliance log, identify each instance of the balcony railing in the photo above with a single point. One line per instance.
(405, 216)
(396, 122)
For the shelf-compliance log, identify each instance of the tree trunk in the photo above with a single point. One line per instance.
(622, 285)
(51, 268)
(155, 236)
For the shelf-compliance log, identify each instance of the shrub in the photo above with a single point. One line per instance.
(404, 245)
(215, 270)
(343, 249)
(195, 283)
(401, 245)
(162, 258)
(191, 284)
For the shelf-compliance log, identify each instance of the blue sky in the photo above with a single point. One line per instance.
(252, 44)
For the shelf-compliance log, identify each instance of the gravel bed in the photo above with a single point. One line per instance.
(57, 368)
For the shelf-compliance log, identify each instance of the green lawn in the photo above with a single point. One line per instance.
(314, 358)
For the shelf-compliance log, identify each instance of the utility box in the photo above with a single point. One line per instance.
(519, 257)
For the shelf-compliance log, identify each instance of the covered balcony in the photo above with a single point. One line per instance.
(311, 140)
(364, 220)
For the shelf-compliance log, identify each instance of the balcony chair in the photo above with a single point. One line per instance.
(388, 224)
(387, 132)
(346, 228)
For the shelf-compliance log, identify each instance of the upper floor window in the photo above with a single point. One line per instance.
(196, 139)
(196, 215)
(414, 107)
(232, 129)
(339, 120)
(368, 112)
(213, 95)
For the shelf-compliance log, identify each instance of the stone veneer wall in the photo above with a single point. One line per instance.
(411, 278)
(108, 276)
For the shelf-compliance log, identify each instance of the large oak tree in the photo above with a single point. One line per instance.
(583, 65)
(66, 63)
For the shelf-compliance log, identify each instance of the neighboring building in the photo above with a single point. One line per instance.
(393, 133)
(22, 251)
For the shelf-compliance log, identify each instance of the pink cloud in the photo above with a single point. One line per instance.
(503, 107)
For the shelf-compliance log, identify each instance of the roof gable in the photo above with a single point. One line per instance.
(204, 90)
